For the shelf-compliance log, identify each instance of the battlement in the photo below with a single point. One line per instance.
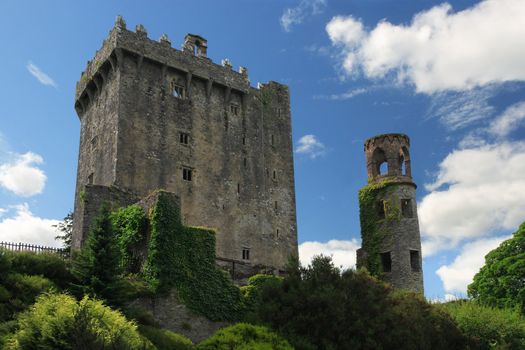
(192, 60)
(387, 155)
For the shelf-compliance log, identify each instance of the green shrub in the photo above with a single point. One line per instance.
(492, 327)
(164, 339)
(7, 329)
(50, 266)
(243, 336)
(319, 307)
(140, 315)
(58, 321)
(252, 293)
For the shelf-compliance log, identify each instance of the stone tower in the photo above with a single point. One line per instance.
(155, 117)
(391, 243)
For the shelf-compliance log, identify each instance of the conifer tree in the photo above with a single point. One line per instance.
(97, 268)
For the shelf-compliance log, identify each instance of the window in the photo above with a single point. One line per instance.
(234, 109)
(184, 138)
(90, 179)
(187, 174)
(277, 233)
(238, 188)
(275, 205)
(178, 91)
(414, 261)
(279, 112)
(273, 140)
(406, 208)
(274, 175)
(386, 262)
(245, 253)
(244, 140)
(380, 208)
(245, 162)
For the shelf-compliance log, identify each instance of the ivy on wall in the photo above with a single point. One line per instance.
(179, 257)
(374, 228)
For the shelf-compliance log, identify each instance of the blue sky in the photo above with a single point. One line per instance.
(450, 75)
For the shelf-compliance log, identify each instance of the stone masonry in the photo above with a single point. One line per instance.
(388, 159)
(154, 117)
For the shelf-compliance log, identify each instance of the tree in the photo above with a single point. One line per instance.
(97, 269)
(65, 229)
(501, 282)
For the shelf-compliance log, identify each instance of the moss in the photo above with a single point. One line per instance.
(373, 228)
(82, 196)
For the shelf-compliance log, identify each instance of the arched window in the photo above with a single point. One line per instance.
(380, 163)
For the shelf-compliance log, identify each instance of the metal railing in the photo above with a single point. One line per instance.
(37, 249)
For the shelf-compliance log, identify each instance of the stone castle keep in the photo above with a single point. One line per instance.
(155, 117)
(391, 243)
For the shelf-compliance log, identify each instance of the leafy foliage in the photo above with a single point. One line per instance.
(50, 266)
(130, 224)
(492, 328)
(243, 336)
(252, 293)
(501, 281)
(58, 321)
(97, 268)
(373, 233)
(166, 340)
(319, 307)
(184, 257)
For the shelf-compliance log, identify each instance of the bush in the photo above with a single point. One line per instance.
(166, 340)
(7, 329)
(319, 307)
(243, 336)
(493, 328)
(58, 321)
(50, 266)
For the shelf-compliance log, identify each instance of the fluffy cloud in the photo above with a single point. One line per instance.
(439, 50)
(24, 227)
(22, 177)
(309, 145)
(42, 77)
(458, 275)
(296, 15)
(510, 120)
(477, 191)
(343, 253)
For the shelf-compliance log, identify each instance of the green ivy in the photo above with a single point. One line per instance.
(373, 228)
(130, 225)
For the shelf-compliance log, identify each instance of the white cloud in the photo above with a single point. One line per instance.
(512, 118)
(21, 176)
(343, 96)
(477, 192)
(309, 145)
(439, 50)
(296, 15)
(343, 253)
(458, 275)
(42, 77)
(2, 211)
(24, 227)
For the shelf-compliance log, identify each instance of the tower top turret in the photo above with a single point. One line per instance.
(388, 155)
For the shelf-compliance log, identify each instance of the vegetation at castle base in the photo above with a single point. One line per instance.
(492, 328)
(252, 293)
(184, 258)
(163, 339)
(372, 231)
(58, 321)
(501, 282)
(65, 229)
(318, 307)
(97, 268)
(243, 336)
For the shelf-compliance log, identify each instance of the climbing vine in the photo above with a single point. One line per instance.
(130, 224)
(373, 228)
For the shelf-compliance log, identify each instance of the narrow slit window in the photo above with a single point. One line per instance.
(406, 208)
(178, 91)
(245, 254)
(238, 188)
(272, 140)
(386, 262)
(275, 205)
(244, 140)
(414, 261)
(274, 175)
(184, 138)
(380, 208)
(277, 233)
(187, 174)
(279, 112)
(245, 162)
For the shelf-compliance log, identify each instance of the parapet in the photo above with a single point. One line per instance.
(388, 155)
(192, 59)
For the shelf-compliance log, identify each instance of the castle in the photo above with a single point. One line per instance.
(391, 242)
(155, 117)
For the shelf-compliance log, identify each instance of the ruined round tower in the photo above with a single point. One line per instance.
(391, 243)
